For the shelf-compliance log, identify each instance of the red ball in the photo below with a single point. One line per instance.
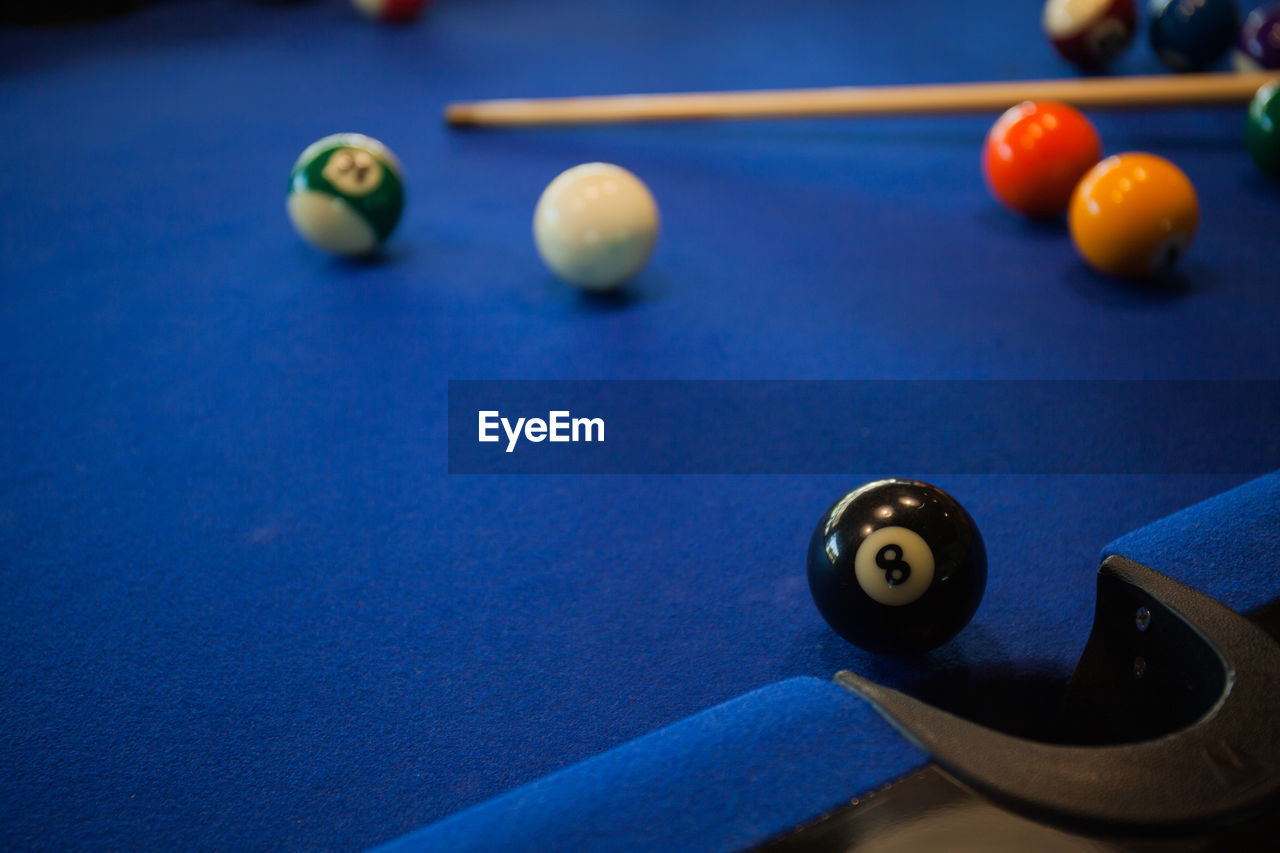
(390, 11)
(1036, 153)
(1090, 33)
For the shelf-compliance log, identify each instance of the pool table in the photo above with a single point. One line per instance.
(260, 591)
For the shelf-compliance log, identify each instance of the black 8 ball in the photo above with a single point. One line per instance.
(897, 567)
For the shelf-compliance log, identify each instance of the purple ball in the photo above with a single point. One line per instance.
(1259, 46)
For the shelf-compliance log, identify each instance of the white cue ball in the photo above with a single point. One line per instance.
(595, 226)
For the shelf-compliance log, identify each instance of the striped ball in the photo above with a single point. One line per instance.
(346, 194)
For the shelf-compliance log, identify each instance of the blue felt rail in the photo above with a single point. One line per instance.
(1227, 546)
(727, 778)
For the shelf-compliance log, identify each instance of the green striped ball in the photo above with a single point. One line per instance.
(346, 194)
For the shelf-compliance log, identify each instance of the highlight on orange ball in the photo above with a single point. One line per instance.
(1036, 153)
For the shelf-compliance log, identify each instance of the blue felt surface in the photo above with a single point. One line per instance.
(727, 778)
(244, 604)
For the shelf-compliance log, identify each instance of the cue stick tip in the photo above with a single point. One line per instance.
(459, 115)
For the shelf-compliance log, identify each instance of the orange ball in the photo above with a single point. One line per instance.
(1035, 155)
(1134, 215)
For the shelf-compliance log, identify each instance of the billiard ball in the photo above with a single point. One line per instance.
(595, 226)
(1262, 129)
(1133, 215)
(1258, 48)
(346, 194)
(1190, 35)
(897, 567)
(1090, 33)
(1036, 153)
(390, 11)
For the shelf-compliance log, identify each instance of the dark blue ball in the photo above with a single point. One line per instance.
(1191, 35)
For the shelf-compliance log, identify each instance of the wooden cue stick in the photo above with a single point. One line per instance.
(1166, 90)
